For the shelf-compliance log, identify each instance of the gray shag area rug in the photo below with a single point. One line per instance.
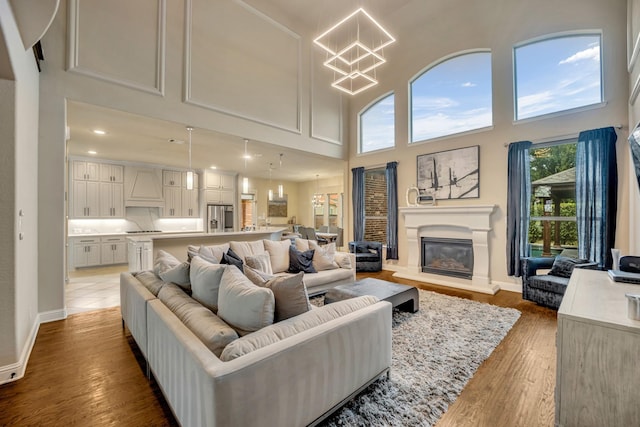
(435, 353)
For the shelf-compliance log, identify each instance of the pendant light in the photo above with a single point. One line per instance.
(190, 171)
(270, 190)
(280, 186)
(316, 201)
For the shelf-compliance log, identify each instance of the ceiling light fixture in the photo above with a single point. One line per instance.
(190, 171)
(270, 190)
(99, 132)
(92, 152)
(280, 186)
(354, 50)
(245, 185)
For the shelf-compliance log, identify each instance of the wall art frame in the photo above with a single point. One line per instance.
(450, 174)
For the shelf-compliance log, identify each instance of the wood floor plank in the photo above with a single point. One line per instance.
(86, 370)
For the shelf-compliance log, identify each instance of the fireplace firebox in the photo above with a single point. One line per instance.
(448, 257)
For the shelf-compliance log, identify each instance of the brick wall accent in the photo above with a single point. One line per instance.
(375, 204)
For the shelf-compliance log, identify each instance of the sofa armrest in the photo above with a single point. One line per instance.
(133, 308)
(337, 357)
(530, 266)
(588, 265)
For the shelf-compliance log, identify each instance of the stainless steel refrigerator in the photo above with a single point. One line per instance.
(219, 218)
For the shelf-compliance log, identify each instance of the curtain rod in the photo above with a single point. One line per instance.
(562, 137)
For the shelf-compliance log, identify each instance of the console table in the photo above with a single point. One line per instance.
(598, 354)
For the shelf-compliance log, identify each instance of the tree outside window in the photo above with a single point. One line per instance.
(552, 227)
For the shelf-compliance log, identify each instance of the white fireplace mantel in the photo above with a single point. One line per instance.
(470, 222)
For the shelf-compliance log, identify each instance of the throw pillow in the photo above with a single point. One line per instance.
(323, 257)
(343, 260)
(231, 258)
(150, 280)
(170, 269)
(256, 276)
(214, 251)
(290, 295)
(279, 253)
(242, 249)
(563, 266)
(260, 262)
(243, 305)
(205, 282)
(301, 261)
(302, 244)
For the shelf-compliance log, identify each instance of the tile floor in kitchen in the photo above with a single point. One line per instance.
(93, 288)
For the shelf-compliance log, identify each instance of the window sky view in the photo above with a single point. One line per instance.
(455, 95)
(557, 74)
(452, 97)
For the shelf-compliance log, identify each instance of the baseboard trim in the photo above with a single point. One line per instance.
(511, 287)
(15, 371)
(52, 316)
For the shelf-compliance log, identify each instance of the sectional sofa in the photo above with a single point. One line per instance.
(227, 364)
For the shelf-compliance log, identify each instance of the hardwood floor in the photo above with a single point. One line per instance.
(86, 371)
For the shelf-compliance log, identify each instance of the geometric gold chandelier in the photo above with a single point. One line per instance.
(354, 49)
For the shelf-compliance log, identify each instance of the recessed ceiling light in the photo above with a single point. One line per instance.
(175, 141)
(99, 132)
(213, 167)
(92, 152)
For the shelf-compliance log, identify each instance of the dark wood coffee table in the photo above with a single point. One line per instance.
(403, 297)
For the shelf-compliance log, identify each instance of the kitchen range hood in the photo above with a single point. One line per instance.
(143, 187)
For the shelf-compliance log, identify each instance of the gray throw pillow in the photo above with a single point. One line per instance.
(563, 266)
(170, 269)
(205, 282)
(301, 261)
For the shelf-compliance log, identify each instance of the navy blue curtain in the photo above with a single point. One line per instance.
(392, 210)
(596, 194)
(518, 196)
(358, 203)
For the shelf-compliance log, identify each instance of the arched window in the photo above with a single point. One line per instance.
(557, 73)
(377, 125)
(452, 96)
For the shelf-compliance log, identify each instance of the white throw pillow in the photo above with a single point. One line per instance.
(323, 257)
(205, 282)
(171, 269)
(343, 259)
(244, 249)
(214, 251)
(243, 305)
(261, 262)
(302, 245)
(279, 252)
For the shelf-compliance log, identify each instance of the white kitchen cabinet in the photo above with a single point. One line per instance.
(111, 200)
(219, 181)
(172, 202)
(85, 171)
(143, 186)
(172, 178)
(111, 173)
(113, 250)
(219, 197)
(86, 252)
(86, 199)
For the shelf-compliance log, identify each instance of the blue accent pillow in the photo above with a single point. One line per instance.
(301, 261)
(232, 258)
(563, 266)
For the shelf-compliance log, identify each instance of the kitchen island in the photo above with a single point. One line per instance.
(142, 249)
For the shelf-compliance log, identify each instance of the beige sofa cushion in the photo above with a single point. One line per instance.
(208, 327)
(244, 249)
(290, 327)
(243, 305)
(279, 254)
(150, 281)
(343, 260)
(205, 282)
(327, 276)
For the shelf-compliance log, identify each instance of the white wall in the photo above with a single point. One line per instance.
(633, 55)
(18, 192)
(239, 72)
(496, 25)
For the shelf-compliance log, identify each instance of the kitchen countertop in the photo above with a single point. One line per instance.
(201, 234)
(124, 233)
